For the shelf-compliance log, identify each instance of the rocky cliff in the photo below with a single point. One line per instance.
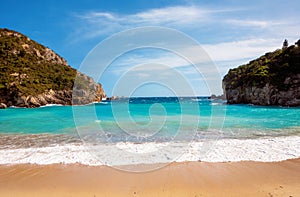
(272, 79)
(32, 75)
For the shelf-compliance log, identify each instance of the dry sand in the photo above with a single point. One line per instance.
(177, 179)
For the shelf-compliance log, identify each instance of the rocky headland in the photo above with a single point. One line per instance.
(272, 79)
(32, 75)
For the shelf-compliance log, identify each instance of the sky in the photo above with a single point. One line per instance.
(230, 32)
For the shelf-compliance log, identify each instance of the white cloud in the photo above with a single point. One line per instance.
(95, 16)
(170, 15)
(178, 15)
(254, 23)
(169, 59)
(244, 49)
(101, 23)
(224, 55)
(188, 18)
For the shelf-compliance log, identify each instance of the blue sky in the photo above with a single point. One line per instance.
(231, 32)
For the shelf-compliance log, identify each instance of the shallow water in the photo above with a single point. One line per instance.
(144, 126)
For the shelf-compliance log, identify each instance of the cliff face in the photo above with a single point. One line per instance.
(272, 79)
(32, 75)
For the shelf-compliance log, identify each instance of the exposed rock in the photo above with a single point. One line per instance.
(63, 97)
(3, 106)
(266, 95)
(273, 79)
(86, 91)
(221, 97)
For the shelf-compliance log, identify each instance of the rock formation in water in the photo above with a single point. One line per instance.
(32, 75)
(272, 79)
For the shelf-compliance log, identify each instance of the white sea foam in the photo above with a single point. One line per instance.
(224, 150)
(52, 105)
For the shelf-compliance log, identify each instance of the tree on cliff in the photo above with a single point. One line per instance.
(285, 44)
(298, 43)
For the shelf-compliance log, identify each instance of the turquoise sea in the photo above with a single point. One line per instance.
(62, 132)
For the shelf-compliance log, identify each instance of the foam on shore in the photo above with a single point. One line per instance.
(224, 150)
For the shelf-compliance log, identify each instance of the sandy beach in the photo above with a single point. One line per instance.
(177, 179)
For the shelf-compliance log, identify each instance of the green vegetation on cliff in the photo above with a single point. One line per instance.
(32, 75)
(272, 68)
(272, 79)
(29, 68)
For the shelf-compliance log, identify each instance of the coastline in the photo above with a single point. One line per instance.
(246, 178)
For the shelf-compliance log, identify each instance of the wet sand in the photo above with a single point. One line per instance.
(177, 179)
